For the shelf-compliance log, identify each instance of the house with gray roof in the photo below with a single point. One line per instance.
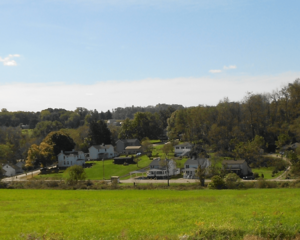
(98, 152)
(162, 168)
(183, 149)
(121, 144)
(69, 158)
(191, 165)
(240, 167)
(10, 170)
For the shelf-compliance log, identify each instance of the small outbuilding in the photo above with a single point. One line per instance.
(124, 160)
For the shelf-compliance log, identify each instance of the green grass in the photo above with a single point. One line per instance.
(110, 169)
(267, 171)
(155, 141)
(27, 131)
(133, 214)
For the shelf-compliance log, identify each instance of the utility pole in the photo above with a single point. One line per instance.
(103, 167)
(167, 163)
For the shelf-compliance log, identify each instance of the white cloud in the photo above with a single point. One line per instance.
(215, 71)
(113, 94)
(7, 61)
(230, 67)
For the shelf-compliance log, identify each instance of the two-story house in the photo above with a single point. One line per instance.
(182, 149)
(70, 158)
(162, 168)
(191, 165)
(98, 152)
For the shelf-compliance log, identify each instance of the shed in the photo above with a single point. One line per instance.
(115, 178)
(122, 160)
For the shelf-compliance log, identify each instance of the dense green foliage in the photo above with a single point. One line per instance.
(99, 133)
(263, 121)
(75, 173)
(154, 214)
(46, 153)
(162, 109)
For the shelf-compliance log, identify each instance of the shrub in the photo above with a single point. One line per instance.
(217, 183)
(261, 183)
(75, 173)
(256, 175)
(232, 181)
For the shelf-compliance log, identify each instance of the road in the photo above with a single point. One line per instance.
(21, 177)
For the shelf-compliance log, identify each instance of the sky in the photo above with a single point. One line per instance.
(104, 54)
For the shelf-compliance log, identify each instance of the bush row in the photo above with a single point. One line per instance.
(103, 185)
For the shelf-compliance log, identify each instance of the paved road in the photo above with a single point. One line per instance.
(21, 177)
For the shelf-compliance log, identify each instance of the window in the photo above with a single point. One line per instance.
(177, 147)
(187, 166)
(68, 162)
(182, 147)
(64, 162)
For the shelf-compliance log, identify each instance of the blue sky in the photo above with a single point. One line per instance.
(103, 54)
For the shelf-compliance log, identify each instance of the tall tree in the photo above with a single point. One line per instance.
(46, 153)
(99, 133)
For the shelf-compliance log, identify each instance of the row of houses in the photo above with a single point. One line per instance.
(161, 169)
(99, 152)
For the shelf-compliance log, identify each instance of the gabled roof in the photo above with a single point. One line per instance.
(187, 144)
(232, 162)
(157, 161)
(70, 152)
(202, 161)
(102, 146)
(12, 166)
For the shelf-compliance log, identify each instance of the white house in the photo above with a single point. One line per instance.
(191, 165)
(162, 168)
(101, 152)
(182, 149)
(9, 170)
(70, 158)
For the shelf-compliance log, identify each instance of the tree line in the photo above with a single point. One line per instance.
(61, 117)
(259, 121)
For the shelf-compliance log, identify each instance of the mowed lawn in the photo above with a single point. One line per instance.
(111, 169)
(267, 172)
(140, 214)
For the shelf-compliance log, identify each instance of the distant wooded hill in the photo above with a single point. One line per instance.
(73, 119)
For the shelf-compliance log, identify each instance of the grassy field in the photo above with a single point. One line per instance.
(110, 169)
(149, 214)
(267, 171)
(96, 171)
